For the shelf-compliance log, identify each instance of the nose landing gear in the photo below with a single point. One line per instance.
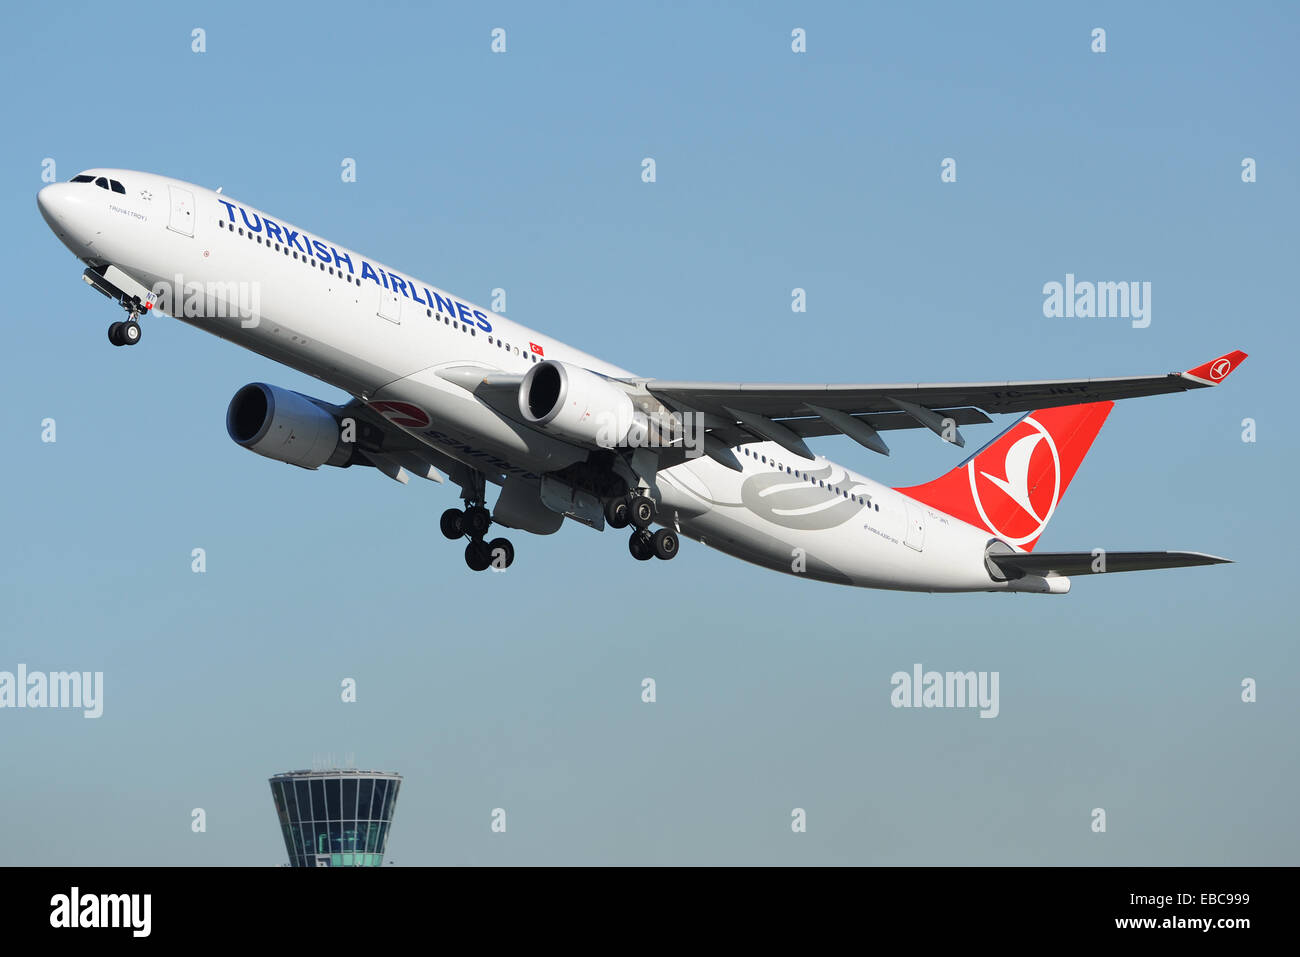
(124, 333)
(104, 279)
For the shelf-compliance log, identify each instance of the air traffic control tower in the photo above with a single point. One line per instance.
(335, 818)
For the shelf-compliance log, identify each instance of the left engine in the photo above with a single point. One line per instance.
(578, 405)
(286, 426)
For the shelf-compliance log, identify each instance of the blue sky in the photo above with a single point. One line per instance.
(775, 170)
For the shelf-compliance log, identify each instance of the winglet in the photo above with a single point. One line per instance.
(1216, 370)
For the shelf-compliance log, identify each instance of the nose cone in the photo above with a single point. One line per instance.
(65, 210)
(54, 202)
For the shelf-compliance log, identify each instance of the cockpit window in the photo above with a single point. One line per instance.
(83, 178)
(102, 182)
(116, 186)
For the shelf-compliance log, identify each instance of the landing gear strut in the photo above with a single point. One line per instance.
(474, 523)
(119, 333)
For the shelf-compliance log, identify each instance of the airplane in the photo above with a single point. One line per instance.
(446, 390)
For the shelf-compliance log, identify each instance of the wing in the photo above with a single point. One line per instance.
(381, 444)
(786, 414)
(1019, 565)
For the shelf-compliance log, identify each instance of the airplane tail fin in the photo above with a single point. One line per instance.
(1012, 486)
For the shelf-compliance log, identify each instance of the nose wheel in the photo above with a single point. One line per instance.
(124, 333)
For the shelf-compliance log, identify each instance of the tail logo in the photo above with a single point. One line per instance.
(1221, 369)
(1034, 504)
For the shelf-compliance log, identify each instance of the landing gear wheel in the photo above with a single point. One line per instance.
(502, 553)
(641, 545)
(642, 511)
(664, 543)
(129, 333)
(115, 333)
(452, 523)
(478, 556)
(477, 521)
(617, 513)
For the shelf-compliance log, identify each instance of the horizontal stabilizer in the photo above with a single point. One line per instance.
(1020, 564)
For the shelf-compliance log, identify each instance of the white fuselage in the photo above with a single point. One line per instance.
(381, 334)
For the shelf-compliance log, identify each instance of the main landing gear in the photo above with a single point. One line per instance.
(639, 511)
(474, 522)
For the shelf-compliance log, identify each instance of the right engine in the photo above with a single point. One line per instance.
(286, 426)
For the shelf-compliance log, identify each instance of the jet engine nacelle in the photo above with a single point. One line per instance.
(286, 426)
(578, 405)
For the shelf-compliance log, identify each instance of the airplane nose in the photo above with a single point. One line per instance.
(53, 202)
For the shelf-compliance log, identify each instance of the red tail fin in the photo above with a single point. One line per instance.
(1012, 486)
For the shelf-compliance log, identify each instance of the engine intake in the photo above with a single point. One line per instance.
(578, 405)
(286, 426)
